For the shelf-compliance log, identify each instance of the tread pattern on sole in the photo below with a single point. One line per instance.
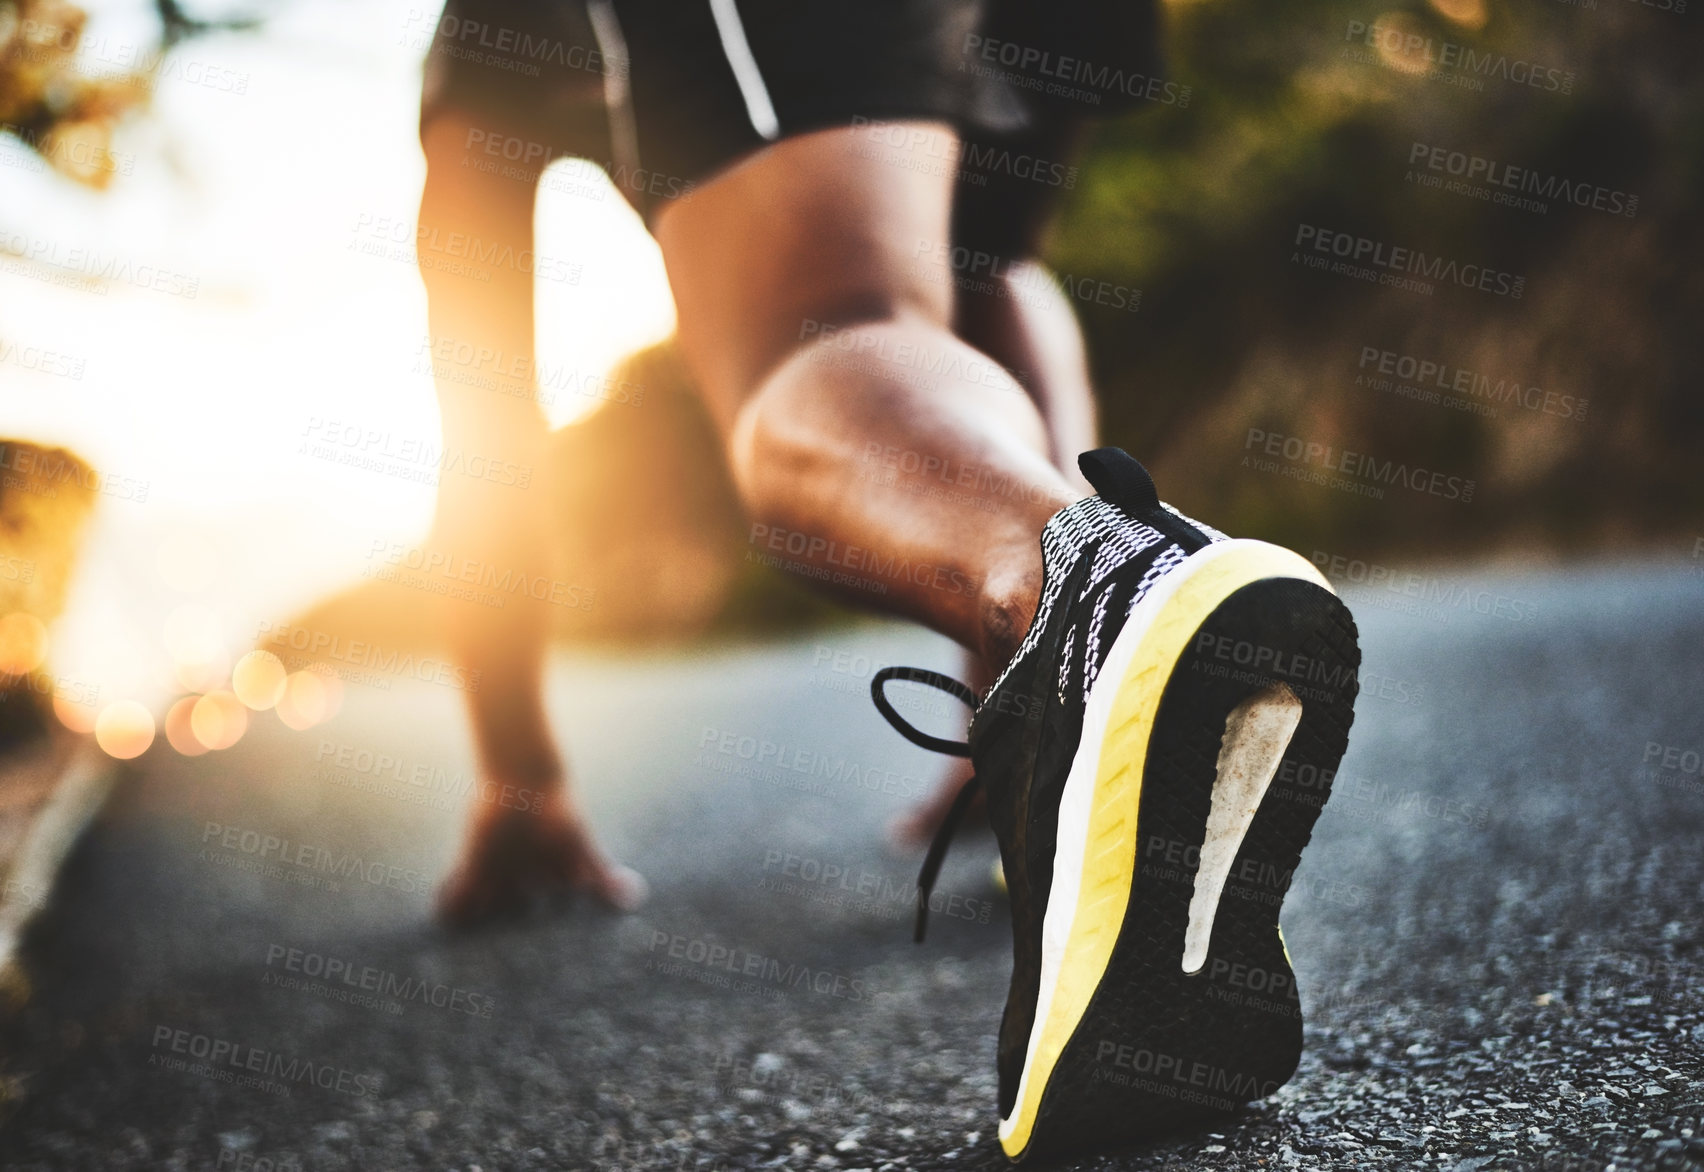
(1158, 1048)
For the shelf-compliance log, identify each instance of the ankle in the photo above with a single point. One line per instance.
(1007, 606)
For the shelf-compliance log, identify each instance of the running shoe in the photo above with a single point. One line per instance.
(1154, 759)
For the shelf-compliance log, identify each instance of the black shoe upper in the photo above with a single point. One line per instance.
(1100, 557)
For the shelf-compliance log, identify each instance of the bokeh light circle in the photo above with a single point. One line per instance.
(258, 680)
(306, 700)
(218, 720)
(74, 713)
(124, 729)
(179, 734)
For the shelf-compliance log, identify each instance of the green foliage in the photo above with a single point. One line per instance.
(1292, 122)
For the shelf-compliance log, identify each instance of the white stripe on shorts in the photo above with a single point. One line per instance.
(759, 108)
(618, 90)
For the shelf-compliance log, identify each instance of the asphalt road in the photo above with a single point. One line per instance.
(1497, 928)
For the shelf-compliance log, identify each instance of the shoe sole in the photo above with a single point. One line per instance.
(1209, 741)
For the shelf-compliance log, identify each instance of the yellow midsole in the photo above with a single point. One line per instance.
(1109, 857)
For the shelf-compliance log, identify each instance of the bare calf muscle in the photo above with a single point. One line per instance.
(819, 335)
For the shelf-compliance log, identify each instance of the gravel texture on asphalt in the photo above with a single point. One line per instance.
(1496, 930)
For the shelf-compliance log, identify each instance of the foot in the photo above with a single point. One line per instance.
(513, 858)
(1154, 758)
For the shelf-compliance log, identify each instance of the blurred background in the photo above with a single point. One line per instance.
(218, 446)
(207, 230)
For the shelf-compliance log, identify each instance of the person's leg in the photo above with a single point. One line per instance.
(1026, 323)
(1011, 308)
(1009, 304)
(1022, 319)
(493, 416)
(869, 442)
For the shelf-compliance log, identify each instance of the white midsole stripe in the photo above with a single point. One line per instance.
(1247, 561)
(1078, 796)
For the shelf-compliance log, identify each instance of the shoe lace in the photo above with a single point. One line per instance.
(967, 793)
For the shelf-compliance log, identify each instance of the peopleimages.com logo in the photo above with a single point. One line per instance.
(1429, 379)
(241, 1064)
(276, 854)
(752, 970)
(322, 972)
(847, 565)
(1459, 64)
(1434, 592)
(1388, 264)
(1061, 75)
(1369, 471)
(1509, 185)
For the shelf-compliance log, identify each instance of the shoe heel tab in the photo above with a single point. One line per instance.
(1120, 479)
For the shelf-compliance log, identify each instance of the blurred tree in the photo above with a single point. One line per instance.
(1295, 120)
(63, 116)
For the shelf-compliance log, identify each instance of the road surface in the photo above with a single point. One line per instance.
(1497, 929)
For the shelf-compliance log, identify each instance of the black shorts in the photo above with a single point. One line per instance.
(665, 93)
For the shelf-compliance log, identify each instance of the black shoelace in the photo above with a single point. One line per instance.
(949, 825)
(921, 675)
